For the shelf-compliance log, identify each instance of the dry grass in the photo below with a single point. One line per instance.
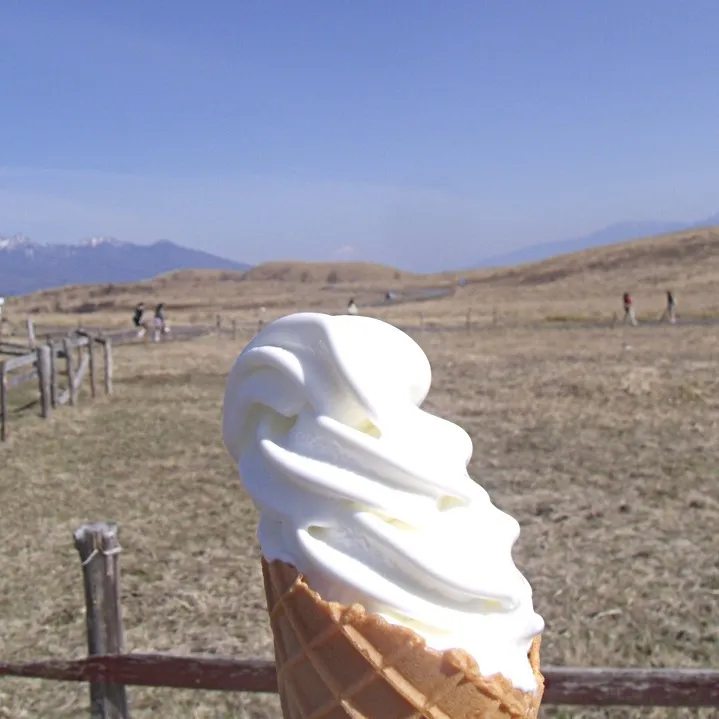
(327, 272)
(605, 455)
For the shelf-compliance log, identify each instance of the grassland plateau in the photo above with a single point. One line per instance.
(602, 442)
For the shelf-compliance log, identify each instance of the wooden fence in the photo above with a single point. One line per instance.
(67, 358)
(68, 361)
(108, 669)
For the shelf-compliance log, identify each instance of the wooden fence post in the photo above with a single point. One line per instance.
(44, 379)
(99, 550)
(30, 331)
(54, 390)
(107, 347)
(67, 346)
(91, 366)
(4, 431)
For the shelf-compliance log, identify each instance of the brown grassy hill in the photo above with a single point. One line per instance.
(326, 272)
(191, 277)
(671, 258)
(589, 284)
(197, 295)
(583, 284)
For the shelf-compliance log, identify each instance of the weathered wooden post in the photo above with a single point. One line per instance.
(71, 387)
(54, 389)
(91, 365)
(234, 329)
(4, 432)
(107, 351)
(30, 331)
(44, 373)
(99, 550)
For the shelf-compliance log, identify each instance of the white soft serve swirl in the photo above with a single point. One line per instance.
(368, 495)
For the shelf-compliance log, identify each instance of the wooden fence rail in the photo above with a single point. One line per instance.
(578, 687)
(108, 670)
(8, 381)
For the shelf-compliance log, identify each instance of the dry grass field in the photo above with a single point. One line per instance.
(606, 456)
(603, 443)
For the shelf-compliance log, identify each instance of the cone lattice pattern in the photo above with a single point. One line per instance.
(336, 661)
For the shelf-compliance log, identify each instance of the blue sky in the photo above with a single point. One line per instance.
(420, 133)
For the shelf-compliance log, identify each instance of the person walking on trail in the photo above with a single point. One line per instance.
(352, 307)
(137, 318)
(629, 315)
(160, 324)
(671, 311)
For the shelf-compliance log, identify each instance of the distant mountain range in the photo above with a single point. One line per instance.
(27, 266)
(618, 232)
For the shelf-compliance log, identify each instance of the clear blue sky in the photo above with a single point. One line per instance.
(417, 132)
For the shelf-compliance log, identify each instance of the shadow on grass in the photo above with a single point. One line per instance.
(167, 379)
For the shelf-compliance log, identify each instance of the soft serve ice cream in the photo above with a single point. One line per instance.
(368, 495)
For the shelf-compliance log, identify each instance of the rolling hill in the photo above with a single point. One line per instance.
(329, 272)
(685, 259)
(686, 262)
(613, 234)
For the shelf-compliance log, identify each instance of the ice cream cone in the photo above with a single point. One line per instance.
(339, 661)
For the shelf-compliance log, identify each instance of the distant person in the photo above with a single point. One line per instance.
(137, 319)
(352, 307)
(671, 311)
(160, 323)
(629, 315)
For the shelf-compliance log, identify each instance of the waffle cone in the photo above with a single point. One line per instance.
(338, 661)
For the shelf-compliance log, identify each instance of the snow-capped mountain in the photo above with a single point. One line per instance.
(17, 243)
(28, 266)
(98, 241)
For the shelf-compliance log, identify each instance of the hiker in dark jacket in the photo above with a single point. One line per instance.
(138, 319)
(137, 314)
